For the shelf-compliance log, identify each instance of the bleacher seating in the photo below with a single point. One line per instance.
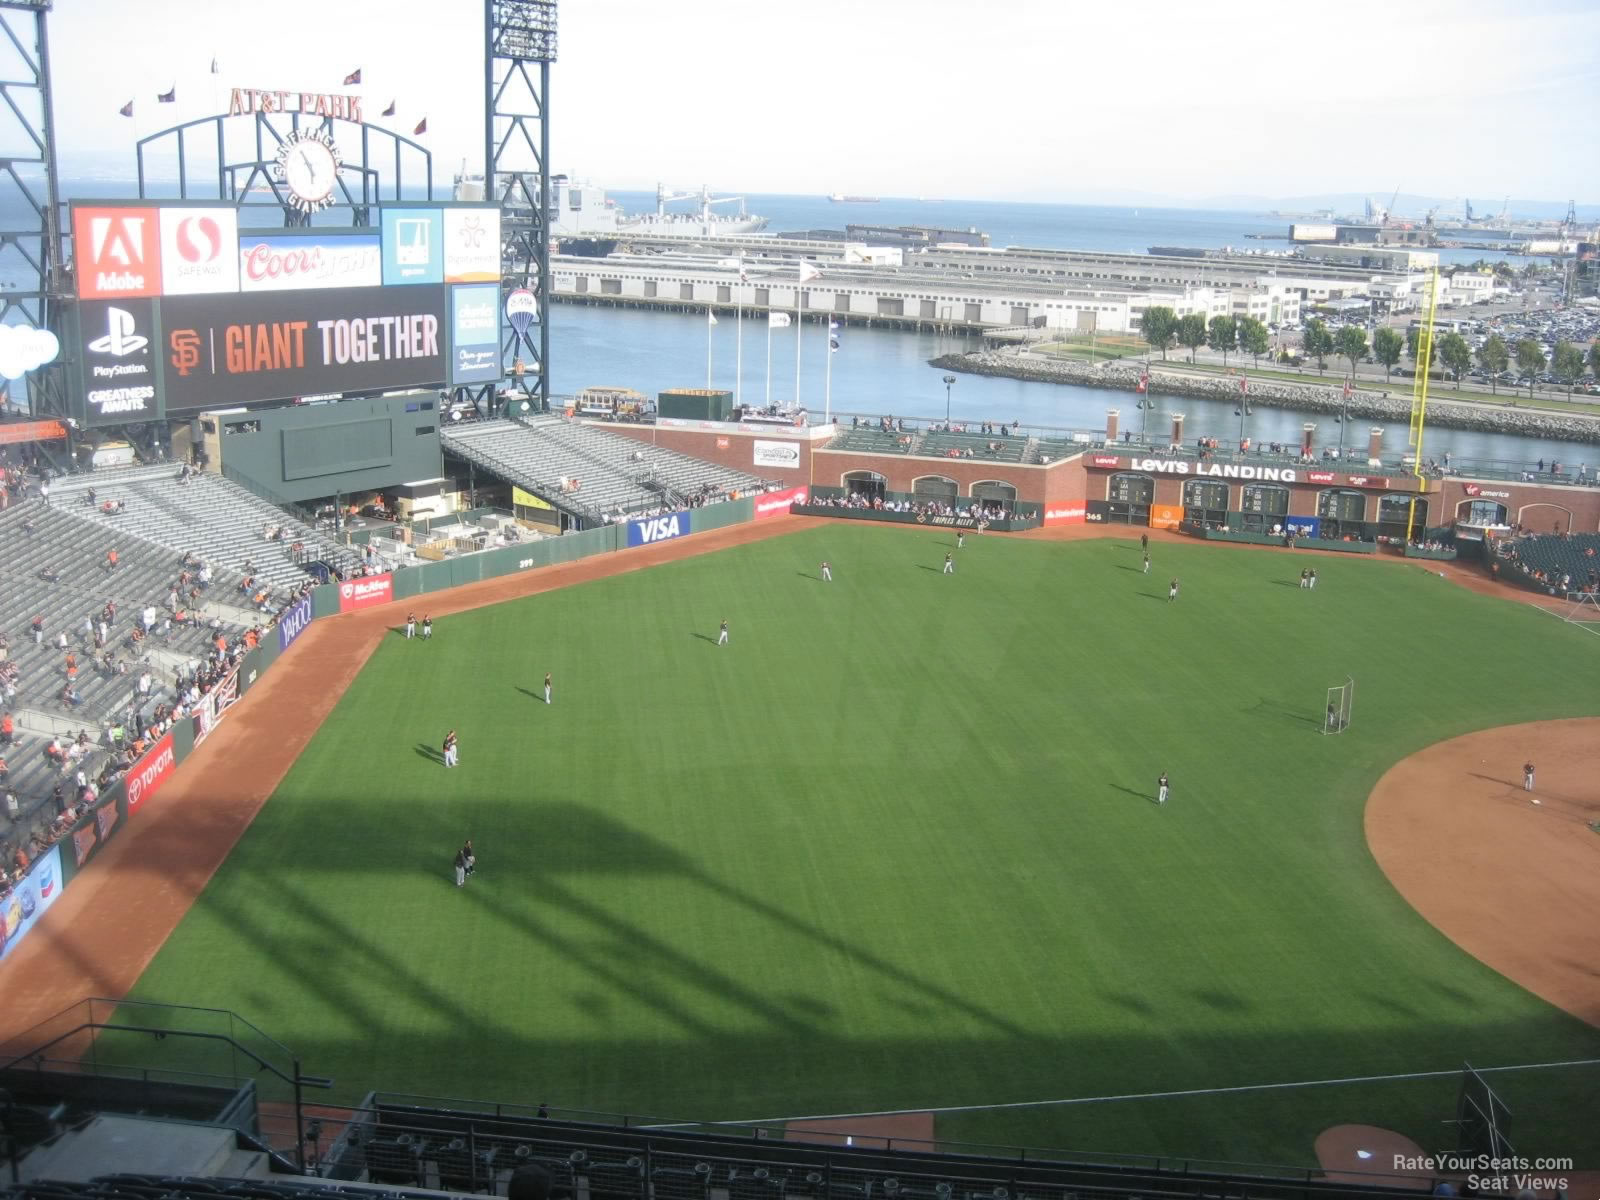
(615, 472)
(214, 517)
(1576, 555)
(988, 446)
(871, 440)
(34, 538)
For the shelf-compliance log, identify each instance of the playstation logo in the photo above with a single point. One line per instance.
(120, 338)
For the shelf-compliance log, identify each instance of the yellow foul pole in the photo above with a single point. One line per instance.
(1419, 394)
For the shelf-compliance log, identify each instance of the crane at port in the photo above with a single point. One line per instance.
(665, 197)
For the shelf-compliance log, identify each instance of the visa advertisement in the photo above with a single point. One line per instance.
(658, 529)
(475, 333)
(223, 350)
(30, 899)
(413, 245)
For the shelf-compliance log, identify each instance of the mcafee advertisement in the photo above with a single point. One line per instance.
(222, 350)
(365, 591)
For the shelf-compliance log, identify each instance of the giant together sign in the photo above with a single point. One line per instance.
(180, 308)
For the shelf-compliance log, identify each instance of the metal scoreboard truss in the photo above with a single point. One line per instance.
(519, 46)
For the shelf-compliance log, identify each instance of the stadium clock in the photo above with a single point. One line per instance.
(308, 162)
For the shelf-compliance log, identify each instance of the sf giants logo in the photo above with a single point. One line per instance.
(185, 345)
(117, 252)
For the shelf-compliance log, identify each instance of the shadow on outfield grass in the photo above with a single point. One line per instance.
(1267, 709)
(705, 637)
(539, 696)
(1288, 583)
(808, 575)
(1145, 796)
(430, 752)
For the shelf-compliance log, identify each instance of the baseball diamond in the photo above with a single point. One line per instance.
(896, 848)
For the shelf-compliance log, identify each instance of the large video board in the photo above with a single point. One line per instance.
(227, 350)
(180, 309)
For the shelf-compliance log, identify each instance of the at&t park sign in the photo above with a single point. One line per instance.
(312, 104)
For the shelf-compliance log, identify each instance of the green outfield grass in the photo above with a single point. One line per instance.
(896, 847)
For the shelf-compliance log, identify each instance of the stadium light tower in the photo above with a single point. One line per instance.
(520, 45)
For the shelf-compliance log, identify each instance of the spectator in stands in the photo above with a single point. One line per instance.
(8, 730)
(111, 560)
(61, 640)
(88, 497)
(37, 626)
(70, 696)
(49, 574)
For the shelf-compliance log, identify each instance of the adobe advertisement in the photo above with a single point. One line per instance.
(222, 350)
(475, 333)
(284, 262)
(413, 245)
(116, 251)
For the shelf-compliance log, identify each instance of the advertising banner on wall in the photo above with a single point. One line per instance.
(292, 622)
(658, 529)
(1064, 512)
(116, 251)
(781, 456)
(475, 333)
(365, 592)
(199, 250)
(1303, 527)
(117, 356)
(287, 262)
(1166, 516)
(223, 350)
(522, 499)
(413, 245)
(471, 245)
(30, 899)
(148, 775)
(214, 704)
(776, 504)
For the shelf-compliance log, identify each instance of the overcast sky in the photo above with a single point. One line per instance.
(1004, 99)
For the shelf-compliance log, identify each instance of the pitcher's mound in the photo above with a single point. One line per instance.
(910, 1131)
(1355, 1153)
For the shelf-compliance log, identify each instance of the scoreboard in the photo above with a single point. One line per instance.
(1266, 500)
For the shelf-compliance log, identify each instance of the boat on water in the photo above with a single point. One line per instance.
(841, 198)
(585, 221)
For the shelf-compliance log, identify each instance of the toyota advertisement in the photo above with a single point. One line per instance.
(475, 333)
(224, 350)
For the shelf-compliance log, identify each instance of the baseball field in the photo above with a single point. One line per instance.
(896, 846)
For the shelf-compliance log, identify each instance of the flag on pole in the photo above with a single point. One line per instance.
(127, 109)
(353, 78)
(389, 112)
(777, 320)
(711, 317)
(422, 128)
(168, 97)
(833, 335)
(808, 272)
(1244, 385)
(1144, 382)
(1347, 389)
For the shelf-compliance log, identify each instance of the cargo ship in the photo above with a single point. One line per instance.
(584, 220)
(840, 198)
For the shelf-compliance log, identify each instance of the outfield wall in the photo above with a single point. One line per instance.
(120, 803)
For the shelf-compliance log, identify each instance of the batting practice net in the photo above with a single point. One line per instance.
(1340, 707)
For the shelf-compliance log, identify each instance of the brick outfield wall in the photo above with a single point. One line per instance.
(1539, 506)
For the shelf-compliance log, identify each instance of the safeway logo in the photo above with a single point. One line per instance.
(116, 251)
(150, 772)
(199, 251)
(120, 339)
